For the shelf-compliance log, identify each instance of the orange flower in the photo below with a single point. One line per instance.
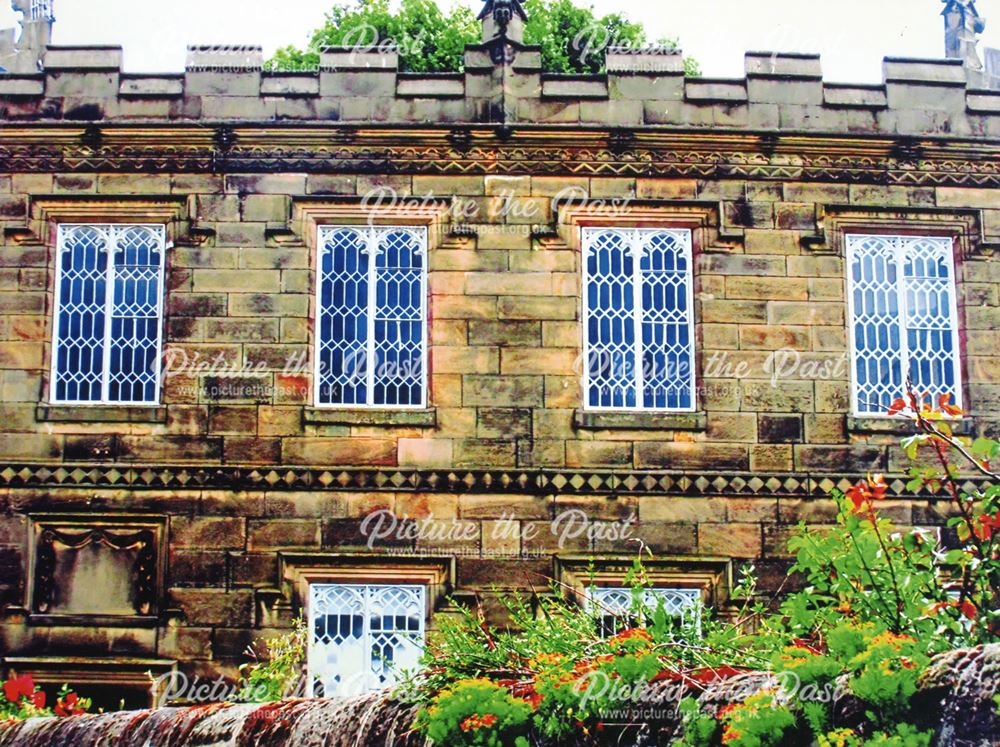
(944, 403)
(730, 735)
(968, 609)
(865, 493)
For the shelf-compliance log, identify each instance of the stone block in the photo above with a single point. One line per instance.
(502, 391)
(857, 458)
(503, 422)
(734, 540)
(483, 452)
(214, 607)
(694, 456)
(537, 308)
(425, 452)
(779, 429)
(343, 452)
(760, 288)
(281, 534)
(220, 533)
(682, 510)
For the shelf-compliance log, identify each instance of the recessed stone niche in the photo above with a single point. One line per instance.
(95, 569)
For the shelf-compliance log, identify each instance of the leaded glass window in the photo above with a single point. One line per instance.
(903, 311)
(371, 341)
(108, 314)
(617, 607)
(638, 319)
(362, 637)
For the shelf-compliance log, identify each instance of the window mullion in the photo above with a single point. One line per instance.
(636, 251)
(373, 239)
(904, 343)
(366, 637)
(109, 305)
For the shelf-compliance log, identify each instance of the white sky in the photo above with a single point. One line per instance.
(852, 35)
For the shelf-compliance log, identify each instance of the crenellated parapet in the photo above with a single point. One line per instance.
(503, 83)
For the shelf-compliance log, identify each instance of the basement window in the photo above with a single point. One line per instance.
(638, 311)
(371, 347)
(618, 609)
(903, 319)
(363, 637)
(108, 314)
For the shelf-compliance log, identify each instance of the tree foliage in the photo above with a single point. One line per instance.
(573, 39)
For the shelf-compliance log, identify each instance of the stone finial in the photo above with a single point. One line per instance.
(503, 19)
(25, 54)
(962, 26)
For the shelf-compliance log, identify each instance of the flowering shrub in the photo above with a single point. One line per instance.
(948, 595)
(24, 699)
(759, 721)
(477, 712)
(877, 602)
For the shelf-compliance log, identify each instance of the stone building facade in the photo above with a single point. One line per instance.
(171, 533)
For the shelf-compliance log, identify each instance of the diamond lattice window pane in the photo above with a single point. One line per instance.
(363, 637)
(372, 319)
(343, 317)
(108, 314)
(616, 607)
(903, 319)
(639, 321)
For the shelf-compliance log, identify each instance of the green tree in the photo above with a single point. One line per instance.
(573, 39)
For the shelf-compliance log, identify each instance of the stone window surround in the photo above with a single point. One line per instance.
(46, 213)
(308, 215)
(299, 570)
(704, 220)
(712, 575)
(77, 522)
(964, 226)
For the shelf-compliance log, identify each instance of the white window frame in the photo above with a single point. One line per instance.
(850, 240)
(112, 229)
(363, 678)
(588, 235)
(371, 233)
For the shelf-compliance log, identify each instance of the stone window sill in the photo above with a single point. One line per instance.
(386, 418)
(100, 414)
(640, 421)
(899, 426)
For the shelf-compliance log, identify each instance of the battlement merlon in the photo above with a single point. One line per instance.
(641, 88)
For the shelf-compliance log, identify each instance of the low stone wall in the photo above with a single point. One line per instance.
(956, 699)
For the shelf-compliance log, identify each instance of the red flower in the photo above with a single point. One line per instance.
(19, 687)
(69, 706)
(38, 699)
(986, 527)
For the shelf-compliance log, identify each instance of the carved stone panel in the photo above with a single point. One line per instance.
(107, 569)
